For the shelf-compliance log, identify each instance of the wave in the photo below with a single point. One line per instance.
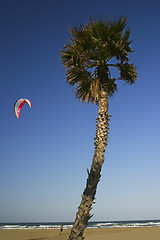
(55, 225)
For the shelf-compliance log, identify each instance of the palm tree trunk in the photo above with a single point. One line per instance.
(83, 215)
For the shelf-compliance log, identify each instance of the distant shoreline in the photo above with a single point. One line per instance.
(92, 225)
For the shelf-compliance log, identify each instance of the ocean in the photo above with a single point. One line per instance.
(68, 225)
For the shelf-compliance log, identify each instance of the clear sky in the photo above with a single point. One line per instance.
(45, 153)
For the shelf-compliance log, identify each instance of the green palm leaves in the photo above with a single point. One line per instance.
(93, 49)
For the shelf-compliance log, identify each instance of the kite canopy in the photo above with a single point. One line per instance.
(19, 104)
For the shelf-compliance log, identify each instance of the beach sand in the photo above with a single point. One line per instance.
(147, 233)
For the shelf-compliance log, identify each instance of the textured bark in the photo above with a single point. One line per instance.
(83, 215)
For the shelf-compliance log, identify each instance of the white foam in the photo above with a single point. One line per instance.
(91, 225)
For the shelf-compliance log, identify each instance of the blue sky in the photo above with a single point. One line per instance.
(44, 154)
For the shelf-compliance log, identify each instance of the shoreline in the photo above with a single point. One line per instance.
(120, 233)
(68, 225)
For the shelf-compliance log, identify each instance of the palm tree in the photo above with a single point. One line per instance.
(94, 49)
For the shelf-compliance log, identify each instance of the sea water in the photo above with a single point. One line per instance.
(68, 225)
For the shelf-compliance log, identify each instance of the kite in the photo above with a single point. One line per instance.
(19, 104)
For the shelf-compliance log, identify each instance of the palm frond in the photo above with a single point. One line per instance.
(128, 72)
(87, 54)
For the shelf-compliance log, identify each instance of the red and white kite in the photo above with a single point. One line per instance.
(19, 104)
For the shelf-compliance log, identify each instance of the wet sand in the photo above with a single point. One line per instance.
(146, 233)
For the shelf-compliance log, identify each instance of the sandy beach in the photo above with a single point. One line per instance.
(146, 233)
